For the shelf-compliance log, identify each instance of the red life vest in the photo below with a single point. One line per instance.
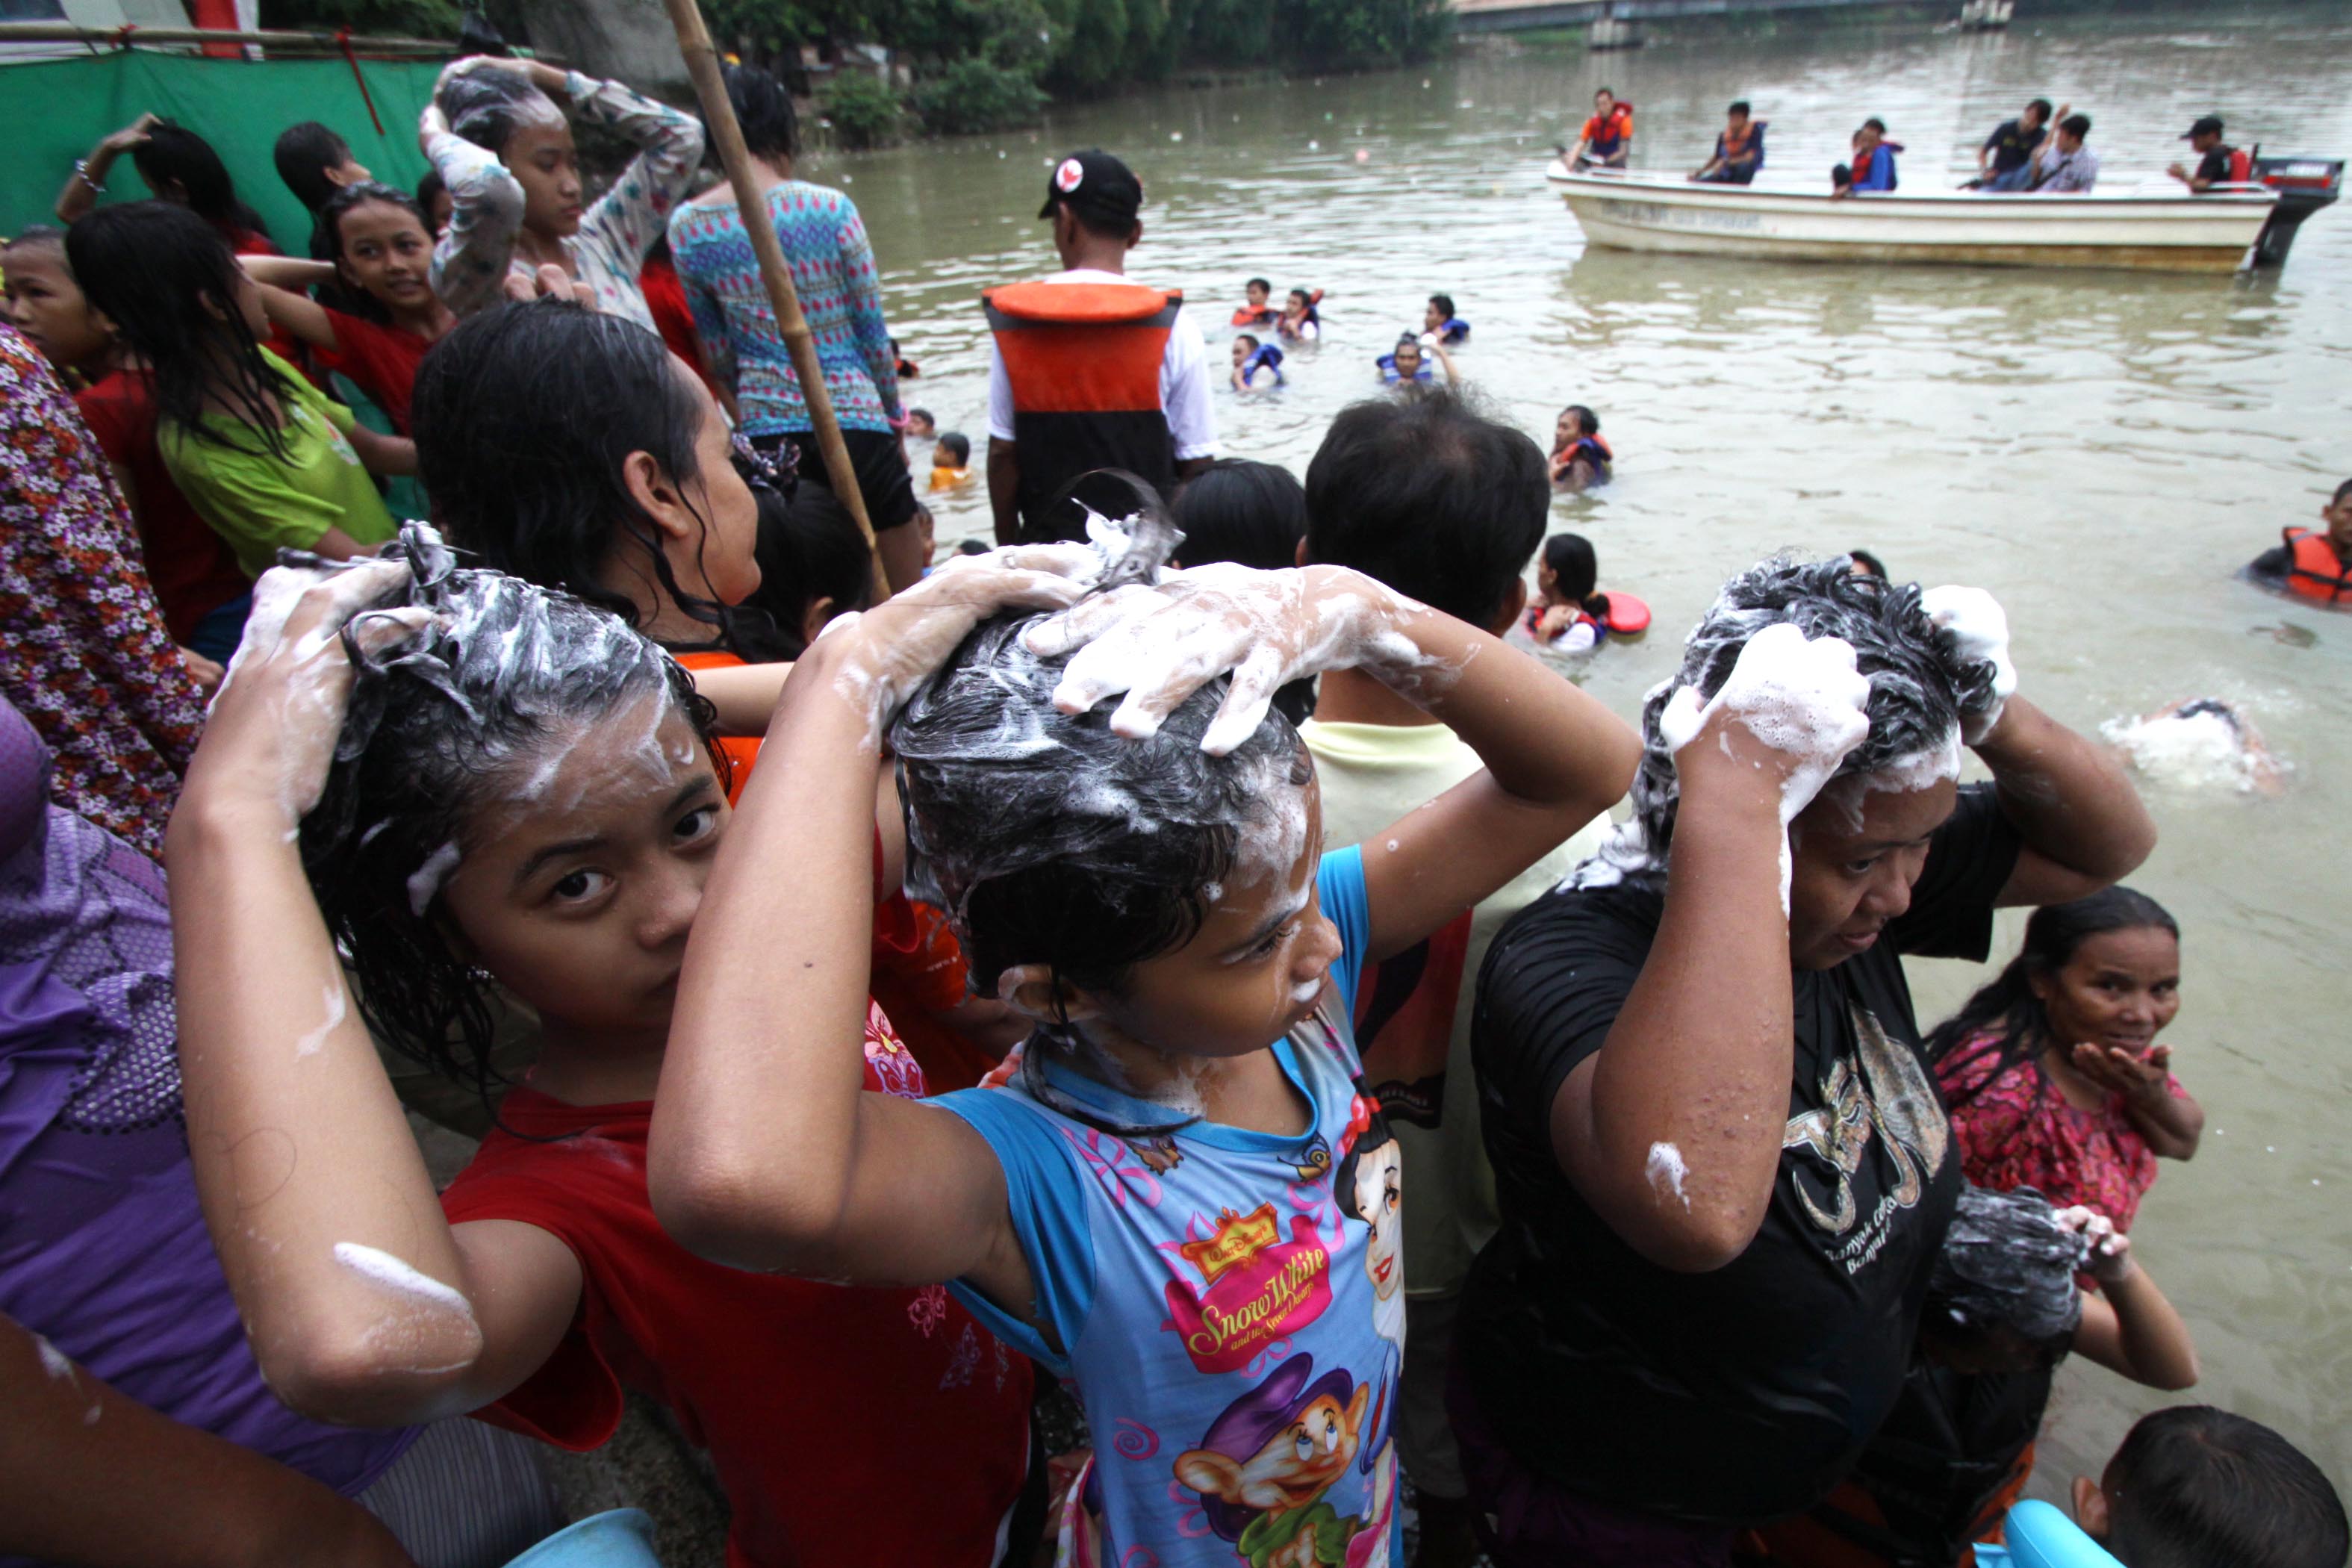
(2314, 569)
(2242, 167)
(1082, 359)
(1247, 315)
(1604, 137)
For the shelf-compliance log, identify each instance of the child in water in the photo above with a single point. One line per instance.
(1580, 457)
(1568, 613)
(1259, 310)
(1184, 1201)
(950, 460)
(1256, 365)
(919, 423)
(463, 779)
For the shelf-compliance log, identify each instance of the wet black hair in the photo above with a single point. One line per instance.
(2076, 125)
(809, 549)
(523, 417)
(1573, 564)
(451, 721)
(924, 414)
(2342, 492)
(2040, 106)
(1249, 338)
(1877, 568)
(487, 107)
(1259, 283)
(303, 155)
(2194, 1486)
(1920, 685)
(1047, 838)
(2007, 1008)
(1587, 421)
(1443, 303)
(152, 267)
(35, 236)
(1251, 513)
(1874, 123)
(1740, 107)
(430, 189)
(1432, 495)
(173, 155)
(2006, 1271)
(772, 128)
(327, 242)
(958, 443)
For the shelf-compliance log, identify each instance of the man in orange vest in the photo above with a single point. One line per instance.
(1088, 371)
(2311, 564)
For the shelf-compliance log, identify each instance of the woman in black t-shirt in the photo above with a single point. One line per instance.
(1723, 1164)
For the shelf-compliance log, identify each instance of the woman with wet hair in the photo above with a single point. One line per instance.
(469, 784)
(179, 167)
(499, 133)
(2053, 1071)
(1724, 1171)
(2002, 1311)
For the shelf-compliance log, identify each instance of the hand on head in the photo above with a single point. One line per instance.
(2109, 1259)
(1980, 629)
(1791, 706)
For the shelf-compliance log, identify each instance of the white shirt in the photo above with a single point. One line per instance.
(1184, 389)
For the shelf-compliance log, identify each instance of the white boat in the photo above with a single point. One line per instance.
(2152, 230)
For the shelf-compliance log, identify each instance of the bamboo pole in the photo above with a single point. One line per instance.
(275, 38)
(710, 87)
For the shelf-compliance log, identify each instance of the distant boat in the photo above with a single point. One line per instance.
(1985, 16)
(2154, 230)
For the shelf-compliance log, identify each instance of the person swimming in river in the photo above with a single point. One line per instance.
(1568, 613)
(1178, 1178)
(1439, 325)
(1257, 366)
(1409, 360)
(1258, 312)
(1580, 457)
(1302, 322)
(2314, 564)
(950, 460)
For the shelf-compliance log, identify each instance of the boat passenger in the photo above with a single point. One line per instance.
(1739, 150)
(1580, 457)
(2310, 563)
(1255, 364)
(1872, 168)
(1735, 1276)
(2065, 167)
(2218, 163)
(1439, 324)
(1410, 362)
(1300, 321)
(1607, 138)
(2004, 162)
(1260, 311)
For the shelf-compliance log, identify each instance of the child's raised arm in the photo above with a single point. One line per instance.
(362, 1304)
(1555, 757)
(281, 279)
(2129, 1327)
(764, 1151)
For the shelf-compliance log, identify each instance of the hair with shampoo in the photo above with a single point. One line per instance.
(1050, 841)
(167, 280)
(439, 727)
(2007, 1267)
(2193, 1486)
(1920, 684)
(487, 106)
(524, 418)
(2008, 1011)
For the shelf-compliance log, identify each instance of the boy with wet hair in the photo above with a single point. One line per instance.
(315, 162)
(2193, 1486)
(1433, 497)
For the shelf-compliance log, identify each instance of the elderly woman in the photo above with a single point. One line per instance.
(1723, 1172)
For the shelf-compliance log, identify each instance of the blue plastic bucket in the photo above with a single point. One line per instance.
(620, 1538)
(2041, 1536)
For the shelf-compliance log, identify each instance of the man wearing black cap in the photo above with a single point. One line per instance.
(1089, 371)
(2217, 163)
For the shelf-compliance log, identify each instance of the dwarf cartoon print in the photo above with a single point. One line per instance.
(1265, 1469)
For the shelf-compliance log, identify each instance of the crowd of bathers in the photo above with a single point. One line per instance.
(950, 1040)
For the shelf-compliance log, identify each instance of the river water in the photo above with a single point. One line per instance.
(2100, 449)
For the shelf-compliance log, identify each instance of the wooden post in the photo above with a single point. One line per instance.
(719, 113)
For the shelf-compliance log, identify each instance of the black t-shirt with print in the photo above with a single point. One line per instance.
(2011, 144)
(1741, 1394)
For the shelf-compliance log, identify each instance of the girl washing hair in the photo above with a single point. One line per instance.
(1185, 1201)
(462, 781)
(498, 135)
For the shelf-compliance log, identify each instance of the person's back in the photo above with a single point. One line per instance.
(1431, 499)
(2194, 1486)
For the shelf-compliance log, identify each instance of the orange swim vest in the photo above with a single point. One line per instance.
(2314, 571)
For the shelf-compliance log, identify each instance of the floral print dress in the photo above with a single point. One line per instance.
(2016, 1129)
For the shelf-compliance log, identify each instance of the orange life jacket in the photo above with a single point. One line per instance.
(2314, 569)
(2242, 167)
(1082, 361)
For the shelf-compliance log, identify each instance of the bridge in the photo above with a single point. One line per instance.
(1520, 16)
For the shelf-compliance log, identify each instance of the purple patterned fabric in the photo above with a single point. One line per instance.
(102, 1249)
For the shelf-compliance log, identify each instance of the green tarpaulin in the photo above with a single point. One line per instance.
(56, 110)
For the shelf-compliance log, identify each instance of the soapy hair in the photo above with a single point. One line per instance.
(1920, 684)
(2007, 1008)
(458, 719)
(487, 107)
(154, 267)
(2193, 1486)
(1429, 495)
(2007, 1264)
(1050, 841)
(524, 418)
